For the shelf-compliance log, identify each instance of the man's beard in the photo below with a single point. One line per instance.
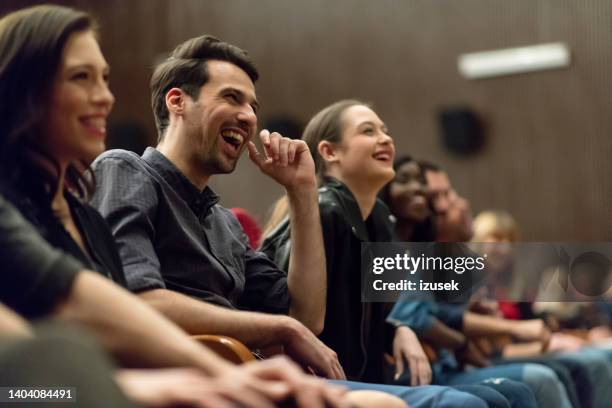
(216, 165)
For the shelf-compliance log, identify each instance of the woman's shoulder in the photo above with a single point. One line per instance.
(35, 208)
(89, 217)
(336, 198)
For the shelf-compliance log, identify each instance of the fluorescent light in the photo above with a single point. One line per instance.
(510, 61)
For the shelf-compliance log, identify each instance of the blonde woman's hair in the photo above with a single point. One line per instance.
(327, 125)
(280, 210)
(498, 223)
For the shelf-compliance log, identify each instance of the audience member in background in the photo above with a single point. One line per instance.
(453, 216)
(250, 226)
(590, 368)
(52, 71)
(499, 229)
(406, 197)
(452, 330)
(354, 159)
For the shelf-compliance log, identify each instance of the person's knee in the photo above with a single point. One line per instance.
(546, 385)
(541, 376)
(458, 399)
(374, 399)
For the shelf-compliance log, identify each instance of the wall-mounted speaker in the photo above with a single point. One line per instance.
(461, 130)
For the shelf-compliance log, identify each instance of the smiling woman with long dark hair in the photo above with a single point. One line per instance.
(54, 81)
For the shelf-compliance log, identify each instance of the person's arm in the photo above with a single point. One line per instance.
(12, 324)
(477, 325)
(290, 163)
(197, 317)
(441, 335)
(419, 316)
(408, 350)
(307, 275)
(139, 336)
(34, 276)
(130, 329)
(254, 329)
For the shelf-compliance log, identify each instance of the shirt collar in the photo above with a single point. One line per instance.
(200, 202)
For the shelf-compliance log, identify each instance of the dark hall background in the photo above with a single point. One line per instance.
(548, 149)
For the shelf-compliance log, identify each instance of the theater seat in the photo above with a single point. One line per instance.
(226, 347)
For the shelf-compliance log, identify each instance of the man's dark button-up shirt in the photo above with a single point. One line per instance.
(171, 235)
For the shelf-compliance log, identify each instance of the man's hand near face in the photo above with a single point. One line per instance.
(289, 162)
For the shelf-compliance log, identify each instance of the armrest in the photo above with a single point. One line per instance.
(226, 347)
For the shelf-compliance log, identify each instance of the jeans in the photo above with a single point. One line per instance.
(543, 382)
(425, 396)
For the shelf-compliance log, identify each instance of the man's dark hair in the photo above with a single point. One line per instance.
(186, 68)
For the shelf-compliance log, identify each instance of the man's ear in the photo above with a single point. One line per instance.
(175, 101)
(328, 151)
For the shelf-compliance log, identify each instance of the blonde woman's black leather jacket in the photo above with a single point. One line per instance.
(356, 331)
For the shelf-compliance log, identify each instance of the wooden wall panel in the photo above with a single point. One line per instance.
(548, 148)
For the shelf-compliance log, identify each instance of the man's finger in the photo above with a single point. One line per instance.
(342, 373)
(413, 366)
(274, 152)
(264, 136)
(334, 396)
(306, 396)
(338, 371)
(209, 401)
(426, 370)
(328, 369)
(291, 152)
(427, 373)
(275, 389)
(283, 151)
(251, 399)
(421, 373)
(399, 365)
(255, 156)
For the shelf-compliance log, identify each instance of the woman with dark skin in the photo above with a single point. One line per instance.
(406, 198)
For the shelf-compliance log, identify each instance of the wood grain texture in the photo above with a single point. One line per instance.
(547, 156)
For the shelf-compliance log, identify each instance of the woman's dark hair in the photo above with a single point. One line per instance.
(422, 231)
(32, 41)
(326, 125)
